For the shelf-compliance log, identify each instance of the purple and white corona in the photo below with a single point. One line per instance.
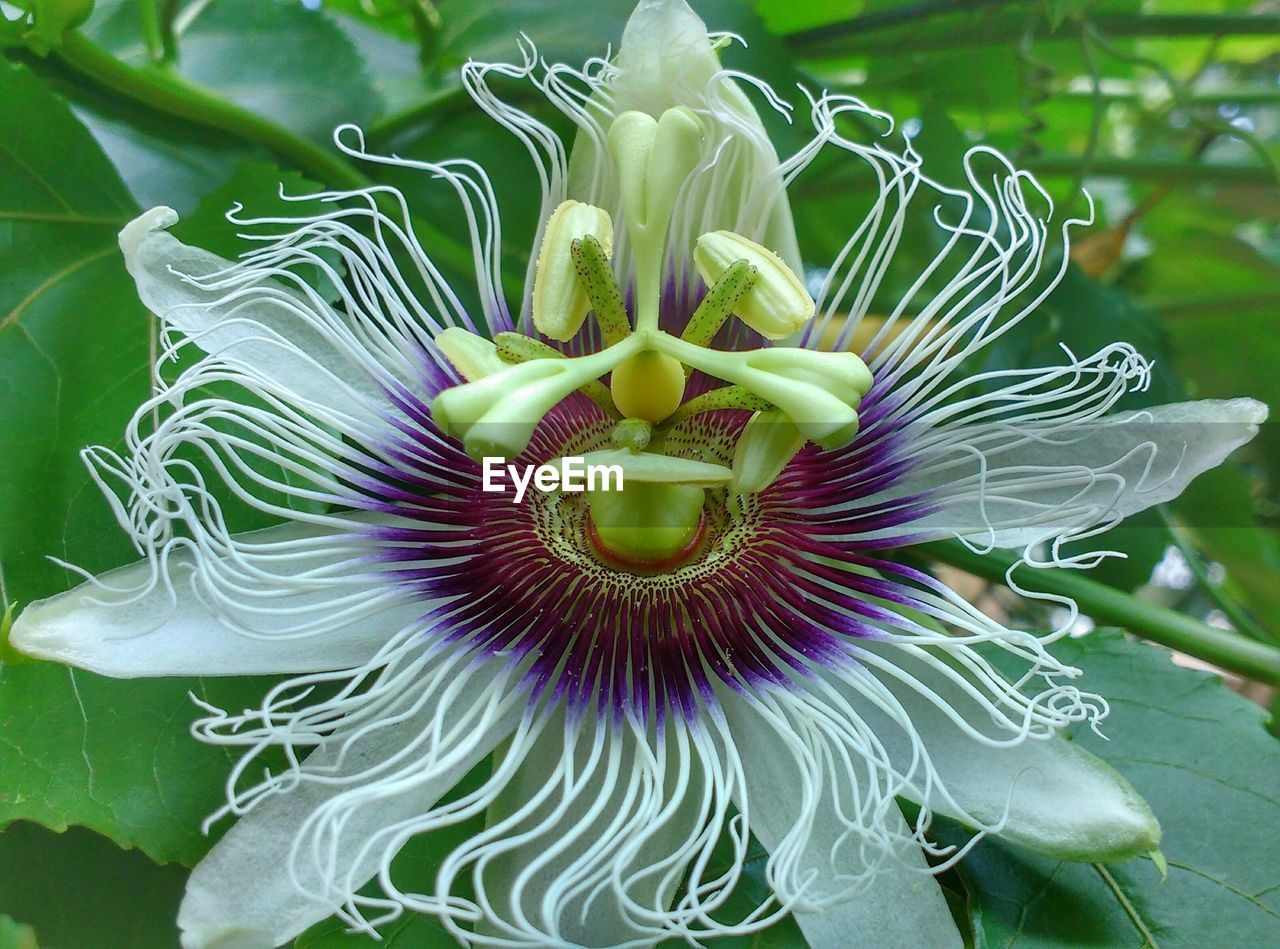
(725, 646)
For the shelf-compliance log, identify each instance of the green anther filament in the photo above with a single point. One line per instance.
(597, 280)
(725, 397)
(719, 303)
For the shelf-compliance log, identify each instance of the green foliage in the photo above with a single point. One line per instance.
(74, 357)
(14, 935)
(300, 70)
(1200, 756)
(117, 757)
(73, 337)
(121, 899)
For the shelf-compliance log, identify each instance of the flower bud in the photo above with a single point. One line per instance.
(778, 304)
(560, 302)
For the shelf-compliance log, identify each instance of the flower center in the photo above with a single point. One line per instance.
(657, 521)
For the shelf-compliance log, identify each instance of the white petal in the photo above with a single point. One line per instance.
(148, 620)
(900, 907)
(294, 342)
(1060, 799)
(242, 894)
(1010, 485)
(666, 60)
(558, 877)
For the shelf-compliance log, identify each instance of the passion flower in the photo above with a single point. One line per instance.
(724, 648)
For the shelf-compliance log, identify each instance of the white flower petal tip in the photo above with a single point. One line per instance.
(1076, 808)
(231, 938)
(311, 836)
(140, 620)
(145, 224)
(665, 32)
(257, 318)
(1012, 485)
(1247, 411)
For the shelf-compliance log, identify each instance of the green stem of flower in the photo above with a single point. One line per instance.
(1151, 169)
(441, 100)
(153, 31)
(884, 19)
(165, 90)
(1222, 648)
(1230, 305)
(173, 94)
(516, 348)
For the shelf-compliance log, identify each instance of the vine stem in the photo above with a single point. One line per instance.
(1152, 169)
(167, 91)
(1106, 605)
(172, 93)
(154, 32)
(434, 103)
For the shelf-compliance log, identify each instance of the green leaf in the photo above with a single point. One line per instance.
(1199, 754)
(1235, 353)
(277, 58)
(791, 16)
(163, 160)
(1085, 316)
(14, 935)
(74, 343)
(79, 889)
(115, 756)
(73, 338)
(1219, 511)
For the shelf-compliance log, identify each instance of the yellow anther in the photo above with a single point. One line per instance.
(473, 356)
(560, 302)
(777, 304)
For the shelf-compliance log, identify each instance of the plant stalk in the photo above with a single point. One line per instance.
(1108, 606)
(165, 90)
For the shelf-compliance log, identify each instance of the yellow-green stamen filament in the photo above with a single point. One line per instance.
(592, 265)
(719, 303)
